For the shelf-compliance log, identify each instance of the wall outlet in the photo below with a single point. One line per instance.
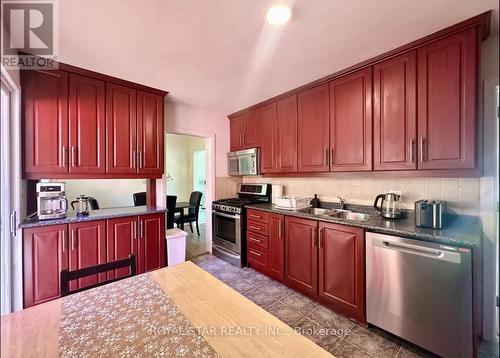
(397, 192)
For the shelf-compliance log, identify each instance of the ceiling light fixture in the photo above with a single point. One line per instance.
(278, 14)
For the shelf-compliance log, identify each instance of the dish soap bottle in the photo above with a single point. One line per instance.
(315, 201)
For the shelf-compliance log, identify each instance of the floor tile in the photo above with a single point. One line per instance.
(260, 297)
(276, 289)
(409, 350)
(299, 302)
(488, 349)
(346, 350)
(374, 341)
(284, 313)
(240, 285)
(329, 319)
(317, 333)
(253, 277)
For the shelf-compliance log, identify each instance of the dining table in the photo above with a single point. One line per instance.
(180, 207)
(177, 311)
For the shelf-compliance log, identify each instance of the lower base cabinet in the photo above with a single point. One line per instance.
(50, 249)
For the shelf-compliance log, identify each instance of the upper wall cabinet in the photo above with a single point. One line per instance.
(447, 102)
(244, 130)
(269, 139)
(78, 124)
(351, 122)
(395, 113)
(313, 119)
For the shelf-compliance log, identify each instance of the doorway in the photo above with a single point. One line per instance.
(187, 171)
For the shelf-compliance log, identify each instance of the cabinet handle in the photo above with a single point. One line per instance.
(64, 246)
(412, 143)
(73, 240)
(255, 253)
(241, 140)
(321, 238)
(142, 229)
(63, 155)
(422, 155)
(255, 216)
(244, 141)
(72, 155)
(332, 156)
(255, 227)
(279, 230)
(141, 159)
(135, 230)
(326, 156)
(253, 239)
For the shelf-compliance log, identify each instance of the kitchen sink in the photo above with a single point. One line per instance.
(350, 215)
(318, 211)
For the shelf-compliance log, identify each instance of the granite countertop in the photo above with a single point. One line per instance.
(102, 214)
(461, 230)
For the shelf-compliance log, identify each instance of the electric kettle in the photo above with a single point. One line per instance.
(389, 207)
(82, 205)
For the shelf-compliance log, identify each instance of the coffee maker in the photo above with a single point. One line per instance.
(51, 201)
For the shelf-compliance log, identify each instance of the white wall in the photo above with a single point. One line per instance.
(110, 193)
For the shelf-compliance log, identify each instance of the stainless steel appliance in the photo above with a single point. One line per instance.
(51, 201)
(421, 292)
(243, 162)
(390, 205)
(82, 205)
(430, 213)
(229, 224)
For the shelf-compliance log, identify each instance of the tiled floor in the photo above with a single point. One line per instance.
(343, 337)
(195, 245)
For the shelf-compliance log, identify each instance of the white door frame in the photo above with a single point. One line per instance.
(16, 259)
(210, 175)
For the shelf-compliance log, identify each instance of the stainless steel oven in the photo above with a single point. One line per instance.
(227, 230)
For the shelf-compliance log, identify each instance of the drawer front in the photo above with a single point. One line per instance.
(257, 257)
(256, 239)
(257, 227)
(256, 215)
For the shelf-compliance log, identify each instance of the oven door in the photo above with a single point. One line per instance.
(226, 230)
(233, 164)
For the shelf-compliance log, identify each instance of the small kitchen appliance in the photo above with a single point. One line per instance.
(229, 222)
(51, 201)
(243, 162)
(82, 205)
(430, 213)
(390, 206)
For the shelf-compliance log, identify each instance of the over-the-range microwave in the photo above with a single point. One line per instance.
(243, 162)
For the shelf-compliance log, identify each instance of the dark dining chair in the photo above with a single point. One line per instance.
(171, 201)
(193, 213)
(67, 276)
(139, 198)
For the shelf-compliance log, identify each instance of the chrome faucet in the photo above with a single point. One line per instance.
(342, 202)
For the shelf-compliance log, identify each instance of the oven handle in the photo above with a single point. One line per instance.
(230, 216)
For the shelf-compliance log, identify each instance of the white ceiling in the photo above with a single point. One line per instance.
(220, 55)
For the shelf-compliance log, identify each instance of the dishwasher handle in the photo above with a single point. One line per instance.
(420, 250)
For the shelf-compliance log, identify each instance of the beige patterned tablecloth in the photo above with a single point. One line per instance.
(129, 318)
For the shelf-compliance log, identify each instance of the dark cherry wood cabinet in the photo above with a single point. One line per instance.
(151, 242)
(45, 117)
(342, 269)
(150, 133)
(351, 122)
(45, 255)
(277, 247)
(395, 113)
(269, 139)
(87, 247)
(251, 133)
(447, 102)
(121, 119)
(287, 135)
(313, 121)
(301, 254)
(122, 237)
(236, 129)
(87, 125)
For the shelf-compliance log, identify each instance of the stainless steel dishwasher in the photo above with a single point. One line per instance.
(421, 292)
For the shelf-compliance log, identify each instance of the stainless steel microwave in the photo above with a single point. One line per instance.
(243, 162)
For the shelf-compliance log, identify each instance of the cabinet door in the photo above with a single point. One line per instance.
(447, 95)
(151, 252)
(87, 248)
(313, 130)
(395, 118)
(342, 269)
(269, 136)
(121, 242)
(351, 122)
(150, 133)
(236, 133)
(301, 254)
(45, 255)
(287, 135)
(86, 125)
(45, 108)
(121, 129)
(277, 246)
(251, 132)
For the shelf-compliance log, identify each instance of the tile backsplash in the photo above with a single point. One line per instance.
(462, 194)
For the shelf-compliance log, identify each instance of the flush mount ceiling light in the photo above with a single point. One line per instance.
(278, 14)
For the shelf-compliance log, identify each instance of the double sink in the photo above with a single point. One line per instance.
(337, 213)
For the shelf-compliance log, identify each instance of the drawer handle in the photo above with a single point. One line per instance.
(255, 253)
(255, 227)
(253, 239)
(255, 216)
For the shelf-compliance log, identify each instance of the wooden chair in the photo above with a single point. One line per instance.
(192, 216)
(67, 276)
(139, 198)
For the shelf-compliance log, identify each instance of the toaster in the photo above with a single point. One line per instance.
(430, 213)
